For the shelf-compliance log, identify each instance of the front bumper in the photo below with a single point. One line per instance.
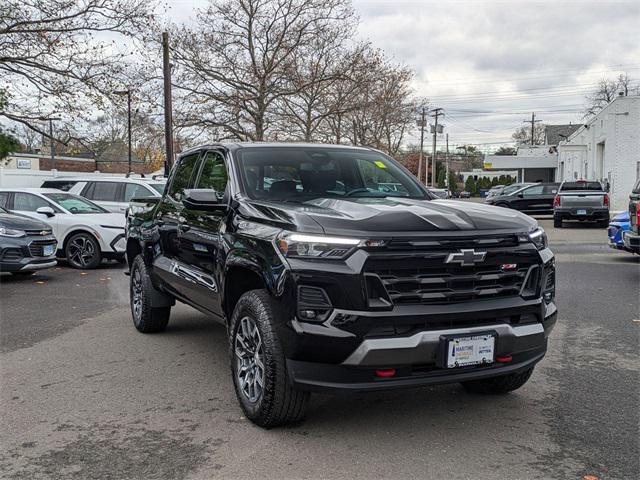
(591, 213)
(415, 359)
(26, 253)
(631, 241)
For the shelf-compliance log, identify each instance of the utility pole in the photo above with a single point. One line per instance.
(436, 114)
(421, 123)
(127, 92)
(446, 175)
(533, 122)
(168, 117)
(52, 144)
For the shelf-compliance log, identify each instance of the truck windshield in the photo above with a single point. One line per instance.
(575, 186)
(302, 173)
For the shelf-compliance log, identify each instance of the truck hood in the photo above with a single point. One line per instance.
(391, 216)
(10, 220)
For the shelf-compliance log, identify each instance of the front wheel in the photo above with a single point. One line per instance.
(258, 364)
(146, 319)
(499, 385)
(83, 251)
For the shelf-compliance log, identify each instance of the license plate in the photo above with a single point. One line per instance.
(581, 212)
(48, 250)
(473, 350)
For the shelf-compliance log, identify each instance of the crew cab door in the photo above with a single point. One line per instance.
(531, 199)
(168, 218)
(200, 236)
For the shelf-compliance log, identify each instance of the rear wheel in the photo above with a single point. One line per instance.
(146, 318)
(557, 222)
(83, 251)
(499, 385)
(258, 364)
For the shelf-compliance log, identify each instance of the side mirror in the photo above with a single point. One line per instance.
(48, 211)
(203, 199)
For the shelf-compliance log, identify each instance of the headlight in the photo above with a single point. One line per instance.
(538, 237)
(315, 246)
(10, 232)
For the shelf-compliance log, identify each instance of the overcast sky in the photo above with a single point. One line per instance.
(490, 64)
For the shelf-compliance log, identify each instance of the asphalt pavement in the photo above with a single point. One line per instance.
(84, 396)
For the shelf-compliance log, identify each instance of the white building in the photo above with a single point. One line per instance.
(530, 164)
(606, 148)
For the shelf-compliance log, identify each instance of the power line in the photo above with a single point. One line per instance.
(553, 73)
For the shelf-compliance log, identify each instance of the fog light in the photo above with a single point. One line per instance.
(308, 314)
(548, 296)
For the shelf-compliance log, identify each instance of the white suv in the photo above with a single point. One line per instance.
(114, 193)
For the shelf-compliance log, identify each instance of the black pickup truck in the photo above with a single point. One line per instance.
(335, 270)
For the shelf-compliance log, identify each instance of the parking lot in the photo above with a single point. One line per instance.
(84, 396)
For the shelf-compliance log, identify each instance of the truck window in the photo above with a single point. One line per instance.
(214, 173)
(576, 186)
(183, 177)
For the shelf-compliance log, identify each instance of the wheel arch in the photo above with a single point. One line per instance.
(75, 231)
(238, 280)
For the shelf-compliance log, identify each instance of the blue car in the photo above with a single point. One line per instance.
(620, 223)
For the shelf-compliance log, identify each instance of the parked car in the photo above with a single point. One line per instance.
(464, 194)
(631, 238)
(582, 200)
(115, 193)
(439, 192)
(536, 198)
(86, 232)
(26, 244)
(495, 191)
(326, 289)
(617, 226)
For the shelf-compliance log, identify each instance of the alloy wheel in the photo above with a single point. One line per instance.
(82, 251)
(136, 294)
(249, 353)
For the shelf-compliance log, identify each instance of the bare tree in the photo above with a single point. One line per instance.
(51, 59)
(236, 62)
(607, 90)
(522, 135)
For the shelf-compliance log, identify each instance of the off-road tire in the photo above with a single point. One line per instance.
(279, 403)
(146, 318)
(499, 385)
(557, 222)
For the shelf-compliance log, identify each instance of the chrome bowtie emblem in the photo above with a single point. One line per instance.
(466, 257)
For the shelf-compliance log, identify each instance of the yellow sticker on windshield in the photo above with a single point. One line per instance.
(379, 164)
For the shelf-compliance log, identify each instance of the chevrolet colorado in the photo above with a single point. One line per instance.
(335, 270)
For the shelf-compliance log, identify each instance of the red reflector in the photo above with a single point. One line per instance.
(504, 358)
(386, 372)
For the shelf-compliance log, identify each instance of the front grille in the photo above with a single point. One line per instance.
(452, 243)
(35, 247)
(427, 279)
(41, 232)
